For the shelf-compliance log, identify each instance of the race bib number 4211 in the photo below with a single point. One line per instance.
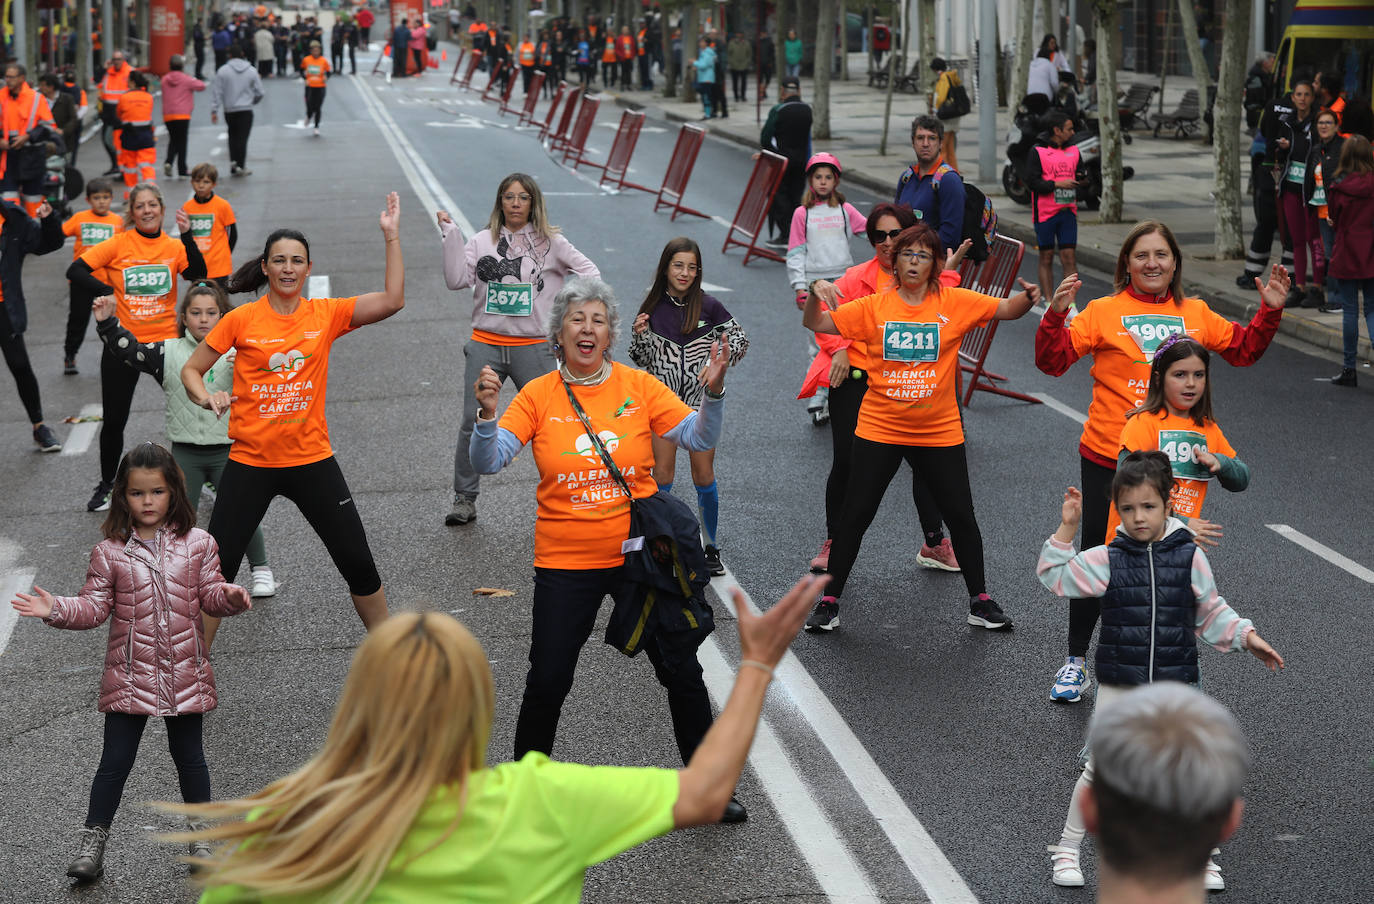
(148, 279)
(913, 343)
(1149, 330)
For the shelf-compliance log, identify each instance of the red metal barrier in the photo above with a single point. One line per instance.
(563, 90)
(753, 206)
(531, 99)
(474, 60)
(457, 64)
(495, 77)
(997, 277)
(383, 57)
(511, 72)
(560, 136)
(680, 165)
(575, 148)
(622, 149)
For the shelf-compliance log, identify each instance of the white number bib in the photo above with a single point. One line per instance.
(202, 224)
(148, 280)
(1149, 330)
(95, 233)
(1297, 171)
(510, 299)
(1065, 195)
(1178, 445)
(911, 343)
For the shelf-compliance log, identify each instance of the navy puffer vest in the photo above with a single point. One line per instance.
(1149, 612)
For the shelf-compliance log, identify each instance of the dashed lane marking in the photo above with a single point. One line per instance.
(918, 851)
(10, 584)
(1051, 402)
(1347, 565)
(79, 439)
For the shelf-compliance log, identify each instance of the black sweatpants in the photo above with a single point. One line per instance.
(322, 495)
(845, 401)
(117, 384)
(739, 83)
(240, 126)
(943, 469)
(1097, 504)
(314, 104)
(78, 319)
(123, 732)
(565, 607)
(177, 130)
(17, 360)
(787, 198)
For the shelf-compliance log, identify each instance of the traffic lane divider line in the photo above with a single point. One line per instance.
(11, 584)
(822, 849)
(1051, 402)
(1347, 565)
(79, 439)
(922, 856)
(413, 166)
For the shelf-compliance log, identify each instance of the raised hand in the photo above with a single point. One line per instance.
(1206, 459)
(38, 604)
(390, 220)
(486, 390)
(1066, 293)
(714, 373)
(956, 257)
(1032, 291)
(1263, 652)
(641, 325)
(1072, 510)
(183, 220)
(44, 210)
(1275, 292)
(443, 217)
(103, 307)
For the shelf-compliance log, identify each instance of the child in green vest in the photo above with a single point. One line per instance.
(200, 440)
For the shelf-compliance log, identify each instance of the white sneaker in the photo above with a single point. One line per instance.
(1064, 865)
(317, 131)
(1211, 877)
(264, 585)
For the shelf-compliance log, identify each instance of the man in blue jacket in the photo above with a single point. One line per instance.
(940, 207)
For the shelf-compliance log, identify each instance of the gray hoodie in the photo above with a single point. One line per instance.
(236, 87)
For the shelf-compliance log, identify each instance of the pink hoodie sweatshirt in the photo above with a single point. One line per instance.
(177, 97)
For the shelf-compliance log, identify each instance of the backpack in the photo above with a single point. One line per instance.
(957, 102)
(980, 220)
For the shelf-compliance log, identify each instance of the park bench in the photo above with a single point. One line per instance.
(1134, 107)
(1183, 119)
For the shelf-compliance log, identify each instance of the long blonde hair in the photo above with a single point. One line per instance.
(539, 217)
(415, 714)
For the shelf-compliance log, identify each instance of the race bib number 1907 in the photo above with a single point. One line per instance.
(1149, 330)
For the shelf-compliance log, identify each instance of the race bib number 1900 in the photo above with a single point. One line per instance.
(1179, 446)
(510, 299)
(1149, 330)
(912, 343)
(148, 279)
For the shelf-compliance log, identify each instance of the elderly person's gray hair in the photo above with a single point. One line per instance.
(576, 292)
(1172, 748)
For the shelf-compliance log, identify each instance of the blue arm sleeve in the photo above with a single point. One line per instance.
(951, 211)
(492, 447)
(697, 432)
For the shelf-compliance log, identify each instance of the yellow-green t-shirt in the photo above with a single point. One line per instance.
(528, 833)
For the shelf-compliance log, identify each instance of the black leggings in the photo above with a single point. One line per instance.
(845, 400)
(78, 319)
(944, 470)
(1097, 493)
(177, 131)
(122, 735)
(17, 360)
(117, 383)
(565, 607)
(322, 495)
(314, 103)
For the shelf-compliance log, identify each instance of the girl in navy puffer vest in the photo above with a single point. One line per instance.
(1157, 594)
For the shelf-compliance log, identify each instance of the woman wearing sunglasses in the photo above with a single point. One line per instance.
(910, 335)
(515, 267)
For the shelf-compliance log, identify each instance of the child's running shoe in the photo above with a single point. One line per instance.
(1071, 681)
(825, 617)
(1211, 877)
(1065, 868)
(985, 613)
(939, 556)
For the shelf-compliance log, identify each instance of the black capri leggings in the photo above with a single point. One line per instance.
(314, 104)
(117, 384)
(944, 471)
(319, 491)
(17, 360)
(123, 732)
(1097, 503)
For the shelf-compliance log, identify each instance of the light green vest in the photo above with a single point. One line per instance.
(187, 422)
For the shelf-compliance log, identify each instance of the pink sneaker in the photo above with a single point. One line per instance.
(822, 560)
(941, 557)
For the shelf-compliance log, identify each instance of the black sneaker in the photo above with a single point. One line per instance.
(100, 499)
(46, 439)
(1313, 297)
(1246, 280)
(713, 561)
(1346, 377)
(1295, 297)
(987, 614)
(69, 366)
(734, 812)
(825, 617)
(1331, 307)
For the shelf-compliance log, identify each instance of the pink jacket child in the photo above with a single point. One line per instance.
(178, 94)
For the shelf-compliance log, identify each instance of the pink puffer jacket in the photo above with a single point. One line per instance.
(155, 664)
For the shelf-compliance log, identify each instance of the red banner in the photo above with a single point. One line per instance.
(168, 33)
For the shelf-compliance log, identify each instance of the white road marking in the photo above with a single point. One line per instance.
(317, 287)
(1051, 402)
(467, 122)
(10, 584)
(572, 194)
(417, 172)
(216, 150)
(79, 439)
(922, 856)
(820, 845)
(1326, 552)
(712, 287)
(721, 220)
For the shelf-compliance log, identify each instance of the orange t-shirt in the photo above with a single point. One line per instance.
(913, 360)
(143, 273)
(1176, 437)
(210, 224)
(1121, 333)
(281, 373)
(316, 70)
(584, 516)
(91, 229)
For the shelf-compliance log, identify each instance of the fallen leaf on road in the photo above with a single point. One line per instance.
(82, 419)
(492, 591)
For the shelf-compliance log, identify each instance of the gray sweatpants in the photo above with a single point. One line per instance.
(520, 363)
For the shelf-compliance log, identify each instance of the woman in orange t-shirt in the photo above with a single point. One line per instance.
(583, 516)
(1122, 332)
(277, 410)
(910, 412)
(316, 69)
(142, 264)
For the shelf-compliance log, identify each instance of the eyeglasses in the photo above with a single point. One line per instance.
(920, 257)
(679, 267)
(878, 236)
(511, 197)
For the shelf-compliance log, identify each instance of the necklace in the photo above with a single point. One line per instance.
(589, 380)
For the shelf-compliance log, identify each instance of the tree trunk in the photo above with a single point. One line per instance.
(1230, 235)
(1188, 19)
(1025, 49)
(891, 81)
(670, 73)
(689, 50)
(1168, 48)
(927, 44)
(844, 41)
(1049, 13)
(825, 52)
(808, 16)
(1109, 122)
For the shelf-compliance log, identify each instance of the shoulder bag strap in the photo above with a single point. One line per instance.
(598, 444)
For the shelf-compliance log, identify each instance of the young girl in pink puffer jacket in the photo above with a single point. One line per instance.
(154, 573)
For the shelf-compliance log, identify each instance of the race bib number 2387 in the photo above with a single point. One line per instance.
(148, 279)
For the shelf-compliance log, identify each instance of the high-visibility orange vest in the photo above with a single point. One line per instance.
(545, 53)
(639, 40)
(115, 83)
(625, 47)
(526, 54)
(608, 50)
(18, 111)
(136, 109)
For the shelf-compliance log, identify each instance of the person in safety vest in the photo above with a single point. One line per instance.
(112, 87)
(138, 151)
(24, 165)
(1051, 175)
(528, 59)
(646, 82)
(625, 56)
(546, 64)
(608, 66)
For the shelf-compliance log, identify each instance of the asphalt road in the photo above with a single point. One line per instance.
(905, 744)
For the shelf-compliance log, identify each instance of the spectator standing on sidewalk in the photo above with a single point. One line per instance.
(264, 46)
(198, 45)
(1350, 199)
(705, 67)
(113, 84)
(788, 132)
(625, 49)
(768, 64)
(178, 102)
(792, 50)
(400, 49)
(236, 89)
(1295, 137)
(1266, 199)
(932, 188)
(365, 18)
(1322, 161)
(721, 105)
(63, 108)
(946, 80)
(220, 42)
(741, 59)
